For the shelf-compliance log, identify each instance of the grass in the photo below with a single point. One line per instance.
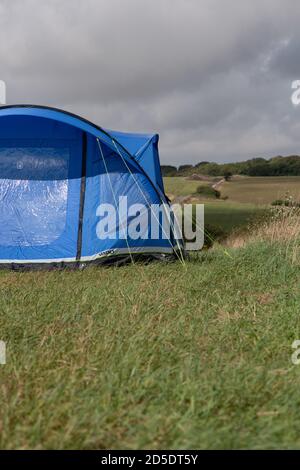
(230, 215)
(252, 190)
(154, 356)
(261, 190)
(179, 186)
(158, 356)
(247, 197)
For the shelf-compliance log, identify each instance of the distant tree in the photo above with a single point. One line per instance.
(208, 191)
(168, 170)
(184, 169)
(261, 169)
(227, 175)
(211, 169)
(276, 166)
(200, 164)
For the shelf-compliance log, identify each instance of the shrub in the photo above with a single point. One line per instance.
(168, 170)
(285, 202)
(212, 234)
(208, 191)
(227, 175)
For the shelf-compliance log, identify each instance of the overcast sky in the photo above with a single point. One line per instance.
(212, 77)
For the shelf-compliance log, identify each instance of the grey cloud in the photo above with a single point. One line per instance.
(212, 77)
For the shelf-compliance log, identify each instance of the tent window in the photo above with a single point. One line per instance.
(33, 194)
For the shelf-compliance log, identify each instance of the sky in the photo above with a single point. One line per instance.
(211, 77)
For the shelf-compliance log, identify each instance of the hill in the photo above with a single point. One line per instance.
(276, 166)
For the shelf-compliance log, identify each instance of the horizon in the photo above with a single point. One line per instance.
(267, 159)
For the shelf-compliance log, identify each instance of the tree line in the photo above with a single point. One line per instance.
(276, 166)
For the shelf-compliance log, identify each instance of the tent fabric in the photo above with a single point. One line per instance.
(144, 148)
(53, 179)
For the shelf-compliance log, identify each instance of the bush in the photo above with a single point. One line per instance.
(208, 191)
(227, 175)
(285, 202)
(212, 234)
(168, 170)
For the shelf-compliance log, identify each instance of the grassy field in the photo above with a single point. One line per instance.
(250, 190)
(179, 186)
(105, 359)
(260, 190)
(247, 197)
(157, 356)
(228, 214)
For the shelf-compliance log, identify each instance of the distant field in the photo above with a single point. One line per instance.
(247, 196)
(261, 190)
(251, 190)
(228, 214)
(179, 186)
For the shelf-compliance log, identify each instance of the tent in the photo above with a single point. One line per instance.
(58, 175)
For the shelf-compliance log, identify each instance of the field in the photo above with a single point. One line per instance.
(247, 197)
(230, 215)
(179, 186)
(105, 359)
(158, 356)
(260, 190)
(227, 214)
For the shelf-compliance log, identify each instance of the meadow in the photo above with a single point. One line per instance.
(262, 190)
(244, 197)
(157, 356)
(180, 186)
(230, 215)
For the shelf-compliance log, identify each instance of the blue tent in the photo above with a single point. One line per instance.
(58, 174)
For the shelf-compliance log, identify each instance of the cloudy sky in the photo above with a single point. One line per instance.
(212, 77)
